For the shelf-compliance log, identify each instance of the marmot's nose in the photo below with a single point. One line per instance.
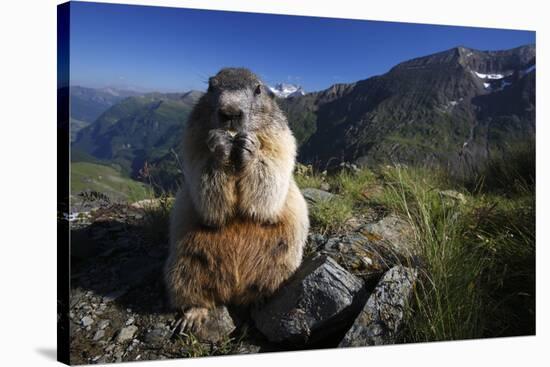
(230, 113)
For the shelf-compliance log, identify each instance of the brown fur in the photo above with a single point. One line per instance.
(237, 263)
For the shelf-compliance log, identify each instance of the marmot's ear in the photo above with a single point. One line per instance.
(212, 82)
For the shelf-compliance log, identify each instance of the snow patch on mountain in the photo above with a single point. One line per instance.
(489, 76)
(284, 90)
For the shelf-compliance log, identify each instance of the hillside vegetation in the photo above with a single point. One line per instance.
(136, 130)
(86, 176)
(475, 241)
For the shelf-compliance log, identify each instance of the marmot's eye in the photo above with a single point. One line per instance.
(258, 89)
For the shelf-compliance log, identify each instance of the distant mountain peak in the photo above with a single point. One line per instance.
(286, 90)
(499, 62)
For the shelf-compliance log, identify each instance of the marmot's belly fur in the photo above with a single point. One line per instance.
(239, 262)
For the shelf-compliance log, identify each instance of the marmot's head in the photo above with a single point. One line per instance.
(239, 101)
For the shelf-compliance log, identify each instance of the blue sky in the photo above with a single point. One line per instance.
(172, 49)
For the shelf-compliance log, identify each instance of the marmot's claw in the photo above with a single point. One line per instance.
(247, 142)
(246, 146)
(193, 319)
(219, 142)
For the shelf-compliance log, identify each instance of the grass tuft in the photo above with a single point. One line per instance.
(156, 219)
(353, 184)
(309, 180)
(330, 215)
(478, 256)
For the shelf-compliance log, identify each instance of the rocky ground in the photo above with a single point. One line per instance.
(352, 290)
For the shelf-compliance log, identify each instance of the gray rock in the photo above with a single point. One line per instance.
(86, 321)
(103, 324)
(356, 254)
(318, 297)
(395, 232)
(249, 348)
(217, 326)
(111, 297)
(317, 238)
(313, 196)
(382, 315)
(325, 186)
(126, 334)
(333, 244)
(157, 336)
(99, 335)
(109, 348)
(354, 238)
(351, 167)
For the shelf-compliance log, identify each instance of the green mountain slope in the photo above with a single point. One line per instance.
(87, 104)
(108, 180)
(76, 126)
(137, 129)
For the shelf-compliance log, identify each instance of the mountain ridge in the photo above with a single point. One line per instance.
(371, 120)
(137, 129)
(452, 108)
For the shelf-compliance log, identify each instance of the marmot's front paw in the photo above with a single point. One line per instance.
(193, 319)
(245, 148)
(220, 142)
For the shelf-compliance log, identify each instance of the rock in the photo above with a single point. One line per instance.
(351, 167)
(217, 326)
(146, 204)
(151, 203)
(103, 324)
(317, 239)
(354, 239)
(86, 321)
(313, 196)
(317, 298)
(99, 335)
(249, 348)
(333, 244)
(382, 315)
(109, 348)
(157, 336)
(325, 186)
(126, 333)
(111, 297)
(357, 255)
(393, 231)
(458, 196)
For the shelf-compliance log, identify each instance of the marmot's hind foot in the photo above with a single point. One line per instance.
(193, 318)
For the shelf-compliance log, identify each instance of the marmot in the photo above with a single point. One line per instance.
(239, 223)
